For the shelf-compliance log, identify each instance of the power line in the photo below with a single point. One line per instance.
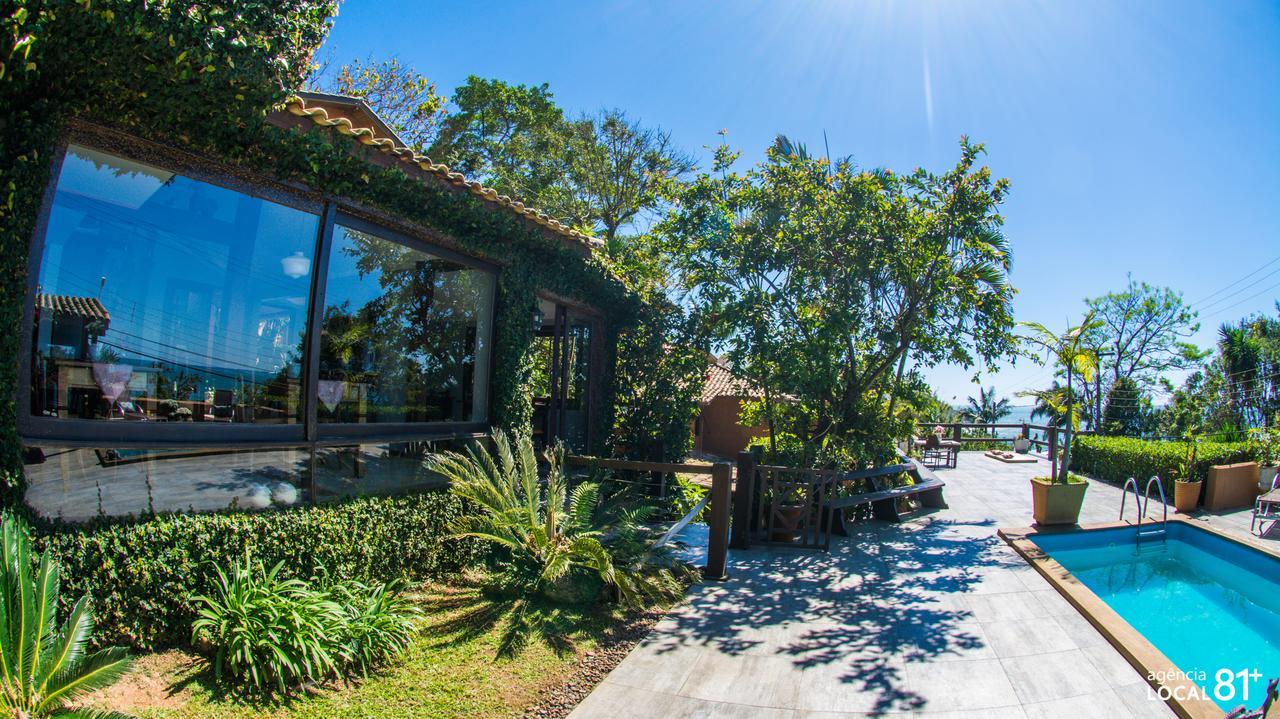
(1236, 282)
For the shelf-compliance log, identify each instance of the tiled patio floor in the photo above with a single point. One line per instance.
(932, 618)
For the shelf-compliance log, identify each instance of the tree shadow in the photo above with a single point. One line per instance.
(883, 598)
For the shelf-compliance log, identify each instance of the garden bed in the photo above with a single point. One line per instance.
(448, 671)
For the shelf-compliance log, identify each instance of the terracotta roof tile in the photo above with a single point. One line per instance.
(86, 307)
(722, 382)
(298, 106)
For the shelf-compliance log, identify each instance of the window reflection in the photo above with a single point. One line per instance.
(404, 334)
(166, 299)
(375, 468)
(76, 484)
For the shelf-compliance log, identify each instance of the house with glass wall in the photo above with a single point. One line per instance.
(198, 336)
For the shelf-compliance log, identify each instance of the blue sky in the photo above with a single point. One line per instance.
(1140, 137)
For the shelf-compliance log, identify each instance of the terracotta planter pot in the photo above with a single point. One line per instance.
(1054, 503)
(1186, 495)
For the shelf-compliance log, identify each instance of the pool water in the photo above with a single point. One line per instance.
(1204, 601)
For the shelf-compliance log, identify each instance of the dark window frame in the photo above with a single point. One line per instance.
(69, 431)
(356, 431)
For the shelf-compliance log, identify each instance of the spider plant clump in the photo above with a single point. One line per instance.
(44, 666)
(269, 633)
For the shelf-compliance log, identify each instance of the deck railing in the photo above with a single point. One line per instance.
(955, 431)
(717, 498)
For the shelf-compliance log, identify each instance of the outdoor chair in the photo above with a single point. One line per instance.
(1267, 509)
(940, 452)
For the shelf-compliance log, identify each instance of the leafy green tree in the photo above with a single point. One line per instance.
(1126, 409)
(1070, 351)
(404, 98)
(512, 138)
(986, 409)
(620, 168)
(1142, 332)
(818, 278)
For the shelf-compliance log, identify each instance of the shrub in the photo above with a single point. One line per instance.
(45, 666)
(272, 633)
(145, 574)
(1115, 459)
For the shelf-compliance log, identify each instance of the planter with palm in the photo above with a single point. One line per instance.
(1058, 497)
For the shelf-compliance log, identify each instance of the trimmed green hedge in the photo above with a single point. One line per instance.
(1115, 459)
(142, 575)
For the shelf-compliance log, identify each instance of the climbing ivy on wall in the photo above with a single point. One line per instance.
(202, 75)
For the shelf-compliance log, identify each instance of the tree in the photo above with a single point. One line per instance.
(511, 137)
(1142, 332)
(1125, 411)
(619, 168)
(986, 409)
(405, 99)
(1069, 350)
(819, 277)
(1050, 410)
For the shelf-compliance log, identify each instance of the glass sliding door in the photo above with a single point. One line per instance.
(564, 375)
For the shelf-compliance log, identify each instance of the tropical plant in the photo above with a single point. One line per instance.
(552, 542)
(268, 631)
(986, 409)
(380, 621)
(1069, 351)
(1187, 467)
(43, 666)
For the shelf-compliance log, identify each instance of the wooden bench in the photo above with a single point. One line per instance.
(884, 502)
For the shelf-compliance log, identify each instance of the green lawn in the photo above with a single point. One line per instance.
(449, 671)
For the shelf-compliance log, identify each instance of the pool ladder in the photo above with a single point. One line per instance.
(1142, 500)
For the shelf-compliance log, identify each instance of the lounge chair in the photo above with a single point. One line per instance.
(1266, 509)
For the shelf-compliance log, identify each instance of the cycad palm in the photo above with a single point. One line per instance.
(43, 667)
(550, 533)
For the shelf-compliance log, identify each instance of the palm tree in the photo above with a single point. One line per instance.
(44, 667)
(986, 409)
(1068, 350)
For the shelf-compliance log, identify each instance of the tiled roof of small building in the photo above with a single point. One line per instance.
(319, 116)
(89, 308)
(722, 382)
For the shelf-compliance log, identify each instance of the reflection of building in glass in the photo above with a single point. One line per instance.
(203, 340)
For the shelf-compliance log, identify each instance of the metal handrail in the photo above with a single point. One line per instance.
(1137, 499)
(1164, 504)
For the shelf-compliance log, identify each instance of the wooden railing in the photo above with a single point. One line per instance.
(717, 498)
(1051, 443)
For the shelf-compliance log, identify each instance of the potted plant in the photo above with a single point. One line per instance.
(1186, 486)
(1057, 499)
(1266, 451)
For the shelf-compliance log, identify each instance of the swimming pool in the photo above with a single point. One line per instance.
(1207, 603)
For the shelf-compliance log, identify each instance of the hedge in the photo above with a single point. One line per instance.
(142, 575)
(1115, 459)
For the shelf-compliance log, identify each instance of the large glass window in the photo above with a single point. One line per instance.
(404, 334)
(165, 299)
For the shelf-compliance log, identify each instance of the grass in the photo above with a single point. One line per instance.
(448, 671)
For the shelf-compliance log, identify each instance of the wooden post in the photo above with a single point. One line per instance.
(956, 433)
(743, 494)
(1053, 453)
(1026, 431)
(718, 541)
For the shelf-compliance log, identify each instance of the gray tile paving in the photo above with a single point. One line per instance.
(932, 618)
